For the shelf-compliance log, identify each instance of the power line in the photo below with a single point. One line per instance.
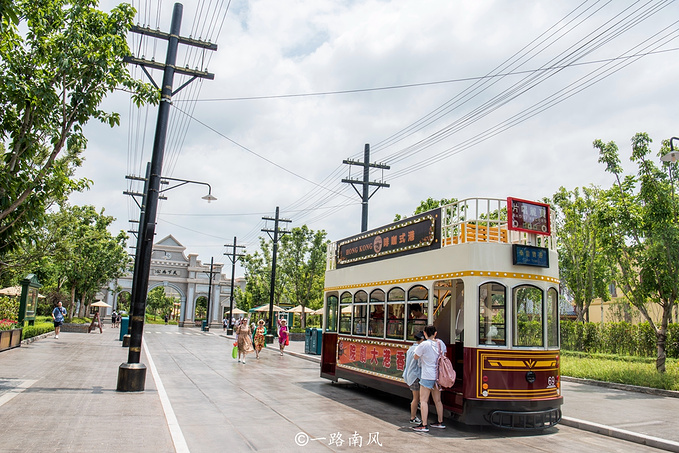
(420, 84)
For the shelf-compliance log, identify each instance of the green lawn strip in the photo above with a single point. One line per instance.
(620, 369)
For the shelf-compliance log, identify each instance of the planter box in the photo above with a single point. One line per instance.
(77, 328)
(10, 339)
(297, 336)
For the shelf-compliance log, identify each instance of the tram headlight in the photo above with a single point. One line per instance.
(484, 393)
(530, 377)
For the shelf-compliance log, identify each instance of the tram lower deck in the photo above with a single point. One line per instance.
(498, 319)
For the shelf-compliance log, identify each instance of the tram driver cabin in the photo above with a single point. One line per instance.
(484, 271)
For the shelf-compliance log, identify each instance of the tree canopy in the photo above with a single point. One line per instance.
(584, 269)
(640, 231)
(300, 272)
(57, 63)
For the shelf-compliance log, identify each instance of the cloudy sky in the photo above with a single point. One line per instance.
(462, 99)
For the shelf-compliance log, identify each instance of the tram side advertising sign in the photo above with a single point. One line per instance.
(528, 216)
(414, 234)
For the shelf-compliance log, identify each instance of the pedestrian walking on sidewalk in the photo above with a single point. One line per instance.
(260, 337)
(411, 374)
(283, 339)
(58, 317)
(427, 353)
(244, 340)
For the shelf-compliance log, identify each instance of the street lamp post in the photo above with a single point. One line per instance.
(672, 157)
(132, 374)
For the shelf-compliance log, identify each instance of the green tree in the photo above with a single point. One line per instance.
(585, 270)
(641, 232)
(257, 268)
(89, 256)
(158, 302)
(302, 260)
(53, 77)
(427, 205)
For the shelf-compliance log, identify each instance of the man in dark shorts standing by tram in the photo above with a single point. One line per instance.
(411, 374)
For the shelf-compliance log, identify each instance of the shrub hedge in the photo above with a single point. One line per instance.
(617, 338)
(38, 329)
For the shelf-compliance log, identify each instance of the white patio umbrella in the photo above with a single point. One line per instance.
(14, 291)
(299, 309)
(318, 312)
(99, 304)
(265, 308)
(237, 311)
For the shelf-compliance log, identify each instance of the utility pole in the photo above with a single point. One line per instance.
(142, 211)
(364, 194)
(234, 258)
(275, 232)
(132, 374)
(209, 294)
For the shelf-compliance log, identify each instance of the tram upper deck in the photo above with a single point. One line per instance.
(466, 238)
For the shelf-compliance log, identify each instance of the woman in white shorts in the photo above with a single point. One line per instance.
(427, 354)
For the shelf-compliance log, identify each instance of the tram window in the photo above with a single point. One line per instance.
(492, 321)
(360, 313)
(360, 319)
(395, 313)
(552, 318)
(345, 313)
(528, 325)
(331, 313)
(396, 318)
(376, 322)
(418, 303)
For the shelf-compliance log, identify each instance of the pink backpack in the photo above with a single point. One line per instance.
(445, 373)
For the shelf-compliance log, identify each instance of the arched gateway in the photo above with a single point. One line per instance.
(185, 277)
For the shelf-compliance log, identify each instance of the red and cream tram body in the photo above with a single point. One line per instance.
(485, 273)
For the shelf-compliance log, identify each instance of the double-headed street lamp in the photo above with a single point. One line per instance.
(672, 157)
(165, 181)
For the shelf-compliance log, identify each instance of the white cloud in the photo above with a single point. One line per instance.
(269, 47)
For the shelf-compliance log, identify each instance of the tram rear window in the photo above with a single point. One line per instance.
(492, 319)
(527, 316)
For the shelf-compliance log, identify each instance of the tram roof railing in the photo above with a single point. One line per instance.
(484, 220)
(474, 220)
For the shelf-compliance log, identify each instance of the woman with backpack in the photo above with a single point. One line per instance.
(427, 354)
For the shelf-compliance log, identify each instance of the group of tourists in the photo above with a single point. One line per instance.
(253, 338)
(420, 374)
(116, 318)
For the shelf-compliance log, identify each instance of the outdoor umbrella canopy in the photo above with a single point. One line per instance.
(299, 308)
(14, 291)
(265, 308)
(318, 312)
(238, 311)
(99, 304)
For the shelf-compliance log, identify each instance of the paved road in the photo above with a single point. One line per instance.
(59, 395)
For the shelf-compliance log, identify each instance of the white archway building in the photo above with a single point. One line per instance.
(184, 275)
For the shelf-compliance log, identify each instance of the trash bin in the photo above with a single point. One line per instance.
(312, 341)
(204, 326)
(307, 340)
(124, 325)
(319, 341)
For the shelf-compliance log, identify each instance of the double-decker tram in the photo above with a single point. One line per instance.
(484, 272)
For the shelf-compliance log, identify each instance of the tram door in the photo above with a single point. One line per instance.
(448, 299)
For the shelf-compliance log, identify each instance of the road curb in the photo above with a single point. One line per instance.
(621, 434)
(627, 387)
